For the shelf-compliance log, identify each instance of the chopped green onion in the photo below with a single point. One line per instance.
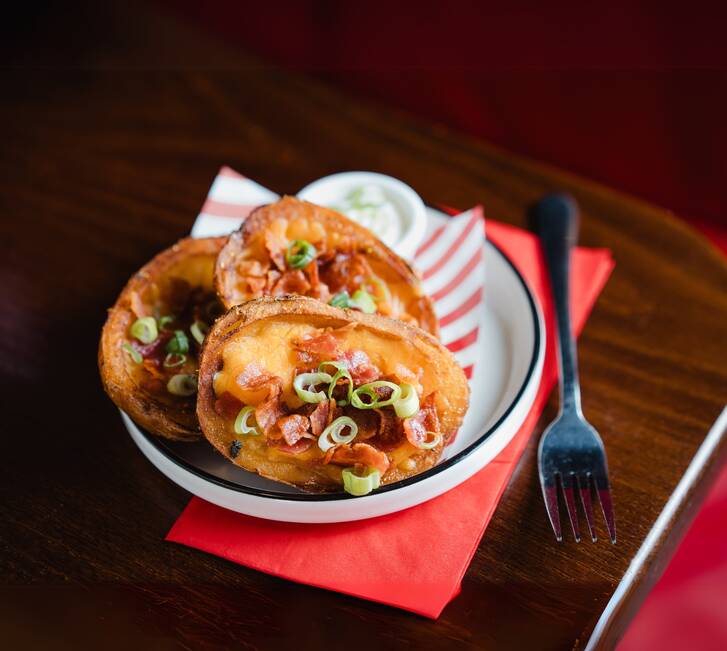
(370, 391)
(408, 403)
(179, 343)
(331, 436)
(300, 253)
(174, 359)
(337, 365)
(241, 426)
(363, 301)
(341, 372)
(429, 443)
(382, 287)
(304, 382)
(164, 321)
(342, 299)
(199, 330)
(132, 352)
(182, 385)
(145, 329)
(358, 485)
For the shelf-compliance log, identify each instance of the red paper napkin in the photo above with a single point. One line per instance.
(381, 559)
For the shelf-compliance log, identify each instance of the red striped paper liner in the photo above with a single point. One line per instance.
(450, 259)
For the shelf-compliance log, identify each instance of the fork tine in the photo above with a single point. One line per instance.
(570, 503)
(603, 489)
(550, 495)
(584, 485)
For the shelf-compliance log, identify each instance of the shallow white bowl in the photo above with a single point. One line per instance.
(511, 347)
(331, 190)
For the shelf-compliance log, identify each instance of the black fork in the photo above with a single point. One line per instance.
(571, 452)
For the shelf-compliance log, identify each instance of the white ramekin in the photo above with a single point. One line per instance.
(330, 190)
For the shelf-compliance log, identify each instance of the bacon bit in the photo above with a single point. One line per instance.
(390, 432)
(360, 367)
(268, 413)
(276, 242)
(328, 456)
(154, 350)
(318, 348)
(300, 446)
(291, 282)
(431, 420)
(227, 405)
(414, 429)
(425, 420)
(362, 453)
(346, 271)
(252, 267)
(320, 417)
(292, 428)
(256, 285)
(367, 421)
(271, 279)
(318, 289)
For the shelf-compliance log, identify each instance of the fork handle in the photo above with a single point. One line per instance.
(556, 219)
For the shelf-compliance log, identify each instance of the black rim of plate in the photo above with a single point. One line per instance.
(326, 497)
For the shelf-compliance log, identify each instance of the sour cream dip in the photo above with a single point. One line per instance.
(389, 208)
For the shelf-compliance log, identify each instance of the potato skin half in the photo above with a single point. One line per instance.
(169, 416)
(226, 277)
(218, 430)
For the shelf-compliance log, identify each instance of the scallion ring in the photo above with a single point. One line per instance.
(132, 352)
(300, 253)
(341, 372)
(360, 485)
(370, 391)
(145, 329)
(408, 403)
(182, 384)
(199, 330)
(342, 299)
(331, 436)
(432, 441)
(241, 422)
(174, 359)
(304, 382)
(363, 301)
(164, 321)
(179, 343)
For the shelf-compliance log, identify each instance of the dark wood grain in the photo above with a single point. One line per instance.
(113, 125)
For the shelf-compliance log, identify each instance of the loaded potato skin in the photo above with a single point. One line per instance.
(326, 398)
(295, 247)
(150, 342)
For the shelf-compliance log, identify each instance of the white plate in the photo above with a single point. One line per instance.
(511, 347)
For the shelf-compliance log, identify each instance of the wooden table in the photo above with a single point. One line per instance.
(105, 161)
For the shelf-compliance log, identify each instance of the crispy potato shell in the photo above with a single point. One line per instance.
(129, 384)
(292, 219)
(260, 333)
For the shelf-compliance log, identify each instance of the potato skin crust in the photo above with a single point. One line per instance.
(217, 429)
(333, 222)
(165, 415)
